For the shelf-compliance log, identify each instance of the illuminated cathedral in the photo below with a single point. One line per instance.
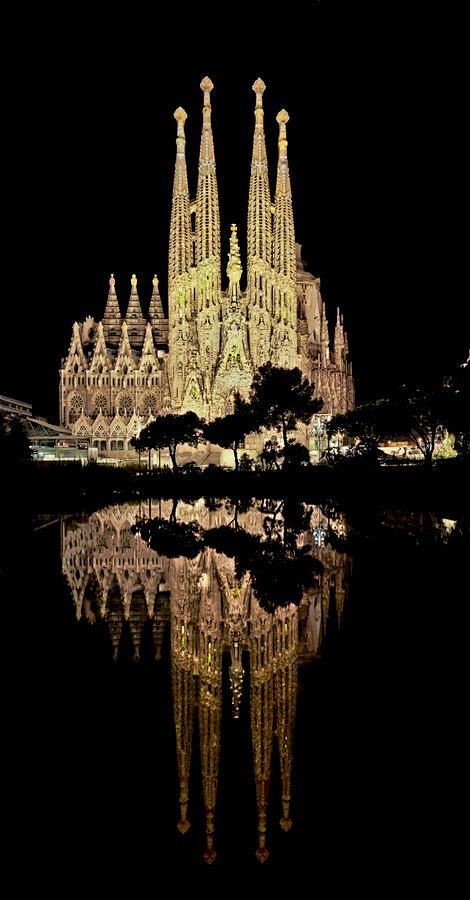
(122, 371)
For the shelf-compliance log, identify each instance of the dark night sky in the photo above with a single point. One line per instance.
(376, 150)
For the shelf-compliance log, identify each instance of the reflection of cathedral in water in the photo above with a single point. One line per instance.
(115, 577)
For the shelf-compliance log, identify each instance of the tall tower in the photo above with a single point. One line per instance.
(157, 317)
(179, 271)
(112, 319)
(259, 280)
(207, 248)
(207, 208)
(134, 317)
(285, 299)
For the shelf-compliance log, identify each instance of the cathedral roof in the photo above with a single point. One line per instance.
(301, 272)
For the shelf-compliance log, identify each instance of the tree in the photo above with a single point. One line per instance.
(282, 397)
(230, 431)
(14, 443)
(295, 456)
(169, 431)
(420, 413)
(270, 456)
(458, 408)
(367, 424)
(413, 412)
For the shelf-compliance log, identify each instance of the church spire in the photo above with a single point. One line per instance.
(234, 265)
(112, 318)
(179, 258)
(134, 316)
(339, 340)
(156, 316)
(259, 200)
(284, 237)
(207, 199)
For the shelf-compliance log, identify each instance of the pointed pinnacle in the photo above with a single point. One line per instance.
(282, 117)
(206, 84)
(180, 115)
(259, 88)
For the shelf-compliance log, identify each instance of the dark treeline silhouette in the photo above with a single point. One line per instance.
(418, 413)
(71, 487)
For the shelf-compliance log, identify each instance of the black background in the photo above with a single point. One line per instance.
(376, 148)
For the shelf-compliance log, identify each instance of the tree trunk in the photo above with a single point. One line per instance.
(235, 453)
(172, 450)
(284, 432)
(428, 456)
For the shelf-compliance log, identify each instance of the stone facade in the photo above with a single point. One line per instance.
(121, 372)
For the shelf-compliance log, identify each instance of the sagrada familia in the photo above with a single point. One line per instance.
(122, 371)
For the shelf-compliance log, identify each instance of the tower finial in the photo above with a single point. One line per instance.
(282, 119)
(207, 86)
(259, 88)
(180, 115)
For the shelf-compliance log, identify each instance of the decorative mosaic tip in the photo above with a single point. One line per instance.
(206, 85)
(112, 280)
(286, 824)
(259, 86)
(183, 826)
(180, 114)
(262, 854)
(155, 281)
(209, 856)
(134, 281)
(282, 117)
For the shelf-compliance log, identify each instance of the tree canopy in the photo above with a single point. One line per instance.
(169, 431)
(367, 424)
(230, 431)
(280, 398)
(14, 443)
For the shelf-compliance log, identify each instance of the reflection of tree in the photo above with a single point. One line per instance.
(281, 570)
